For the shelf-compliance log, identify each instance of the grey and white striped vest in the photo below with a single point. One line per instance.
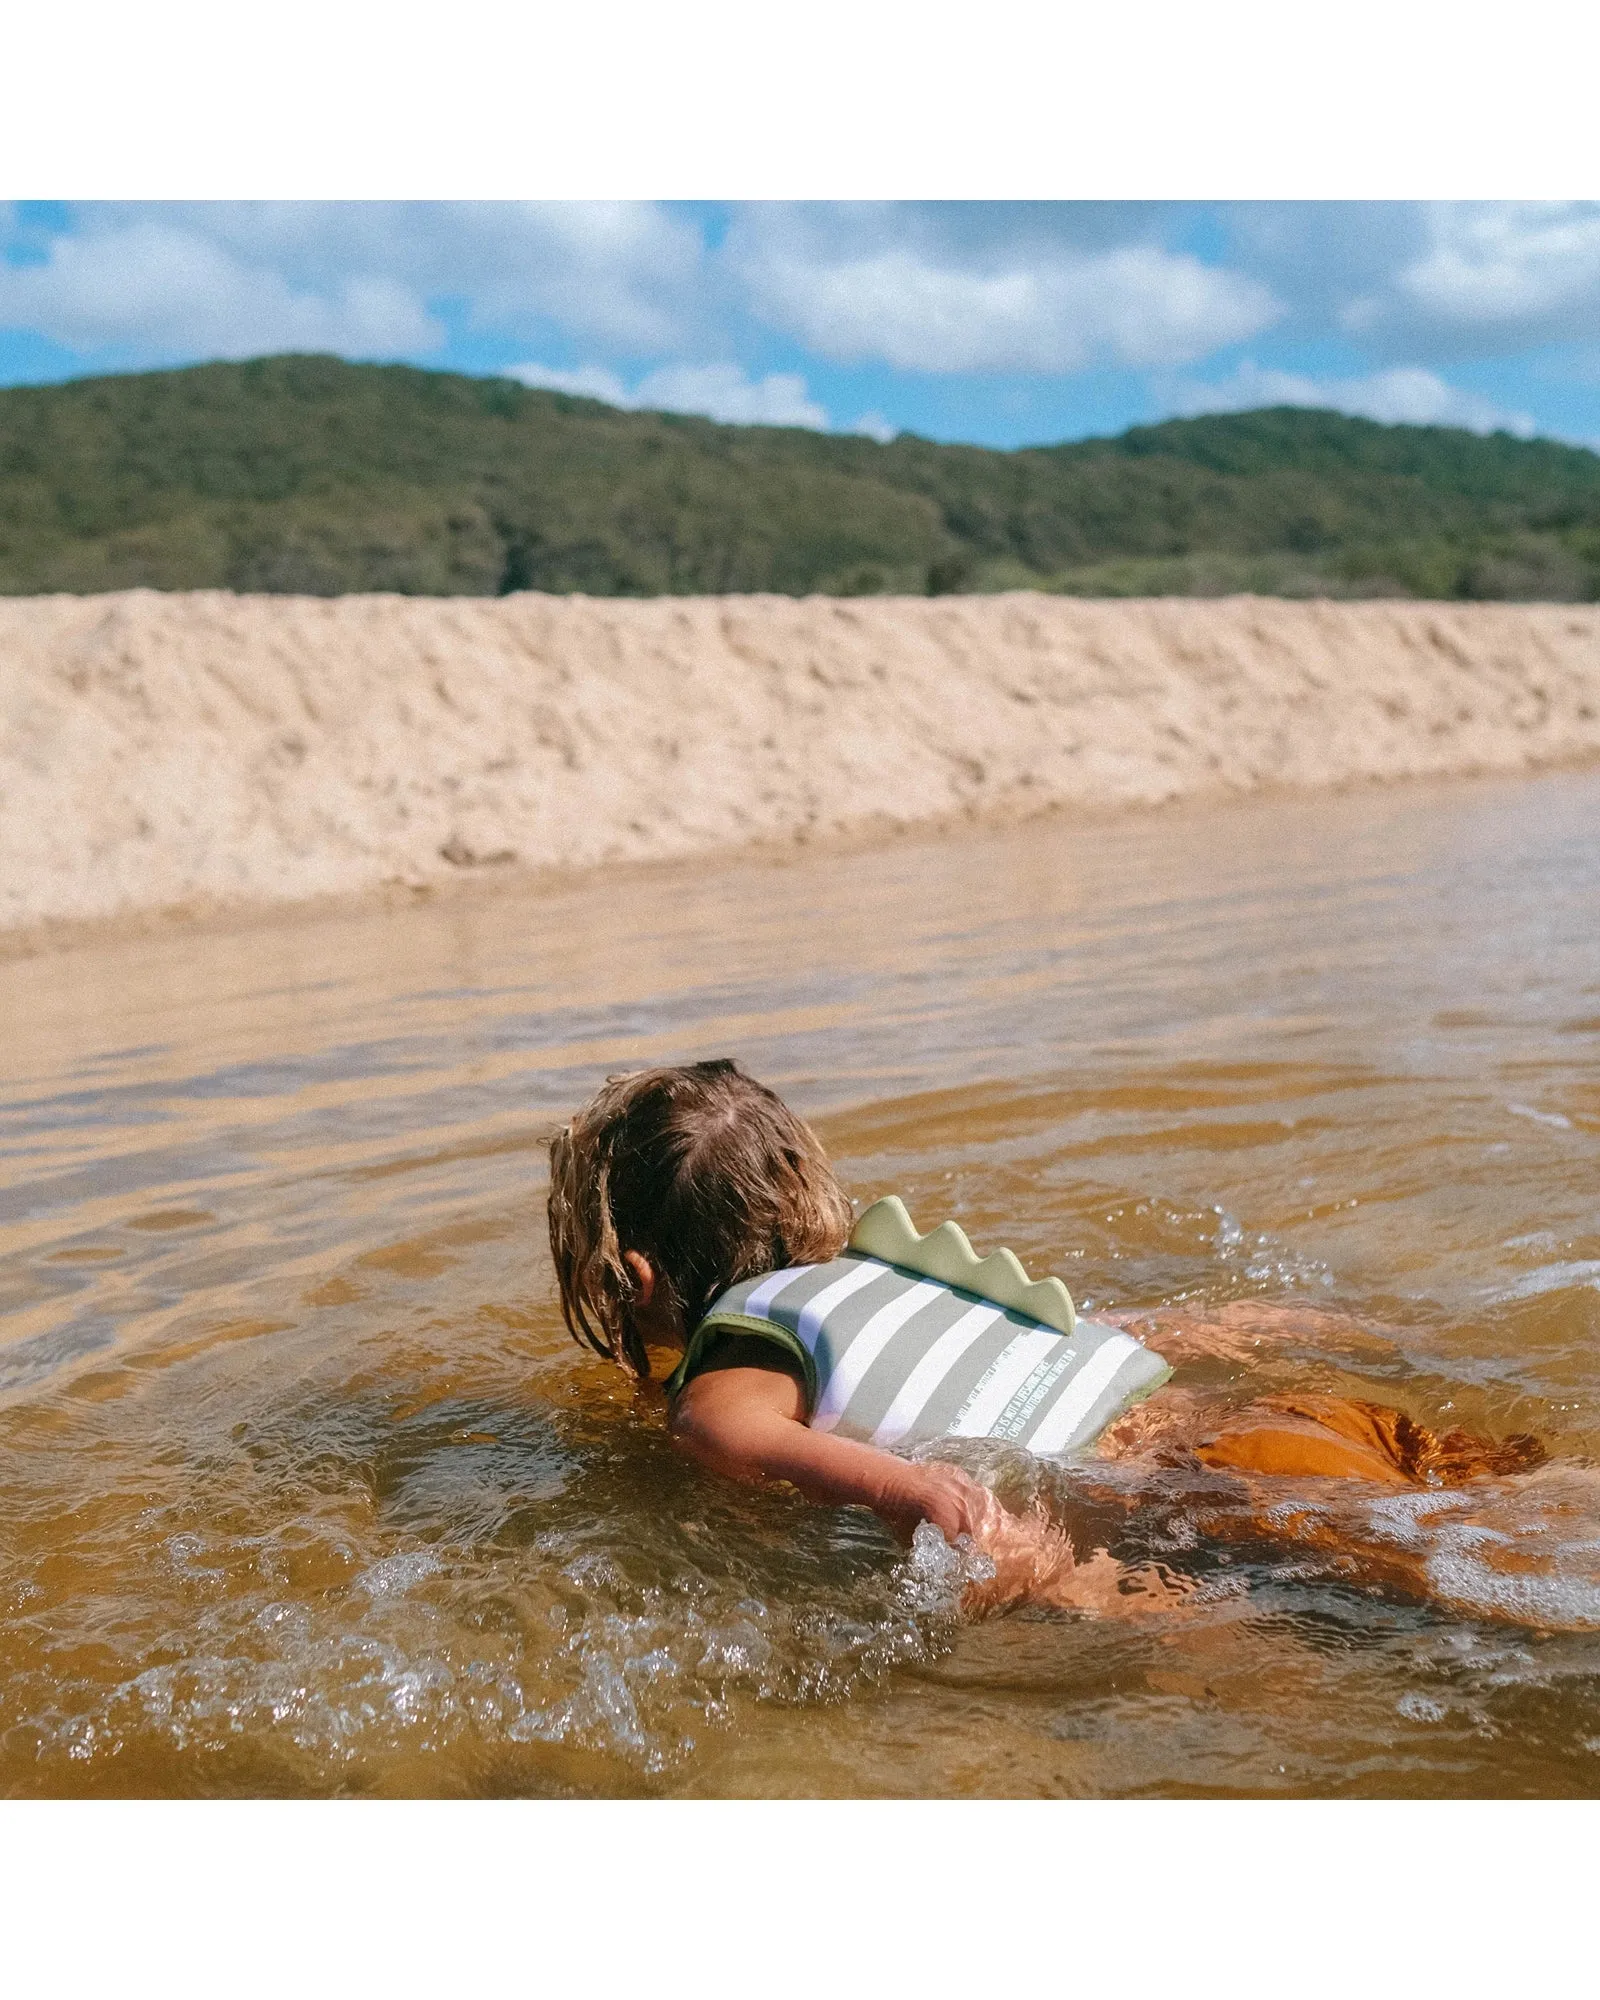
(907, 1338)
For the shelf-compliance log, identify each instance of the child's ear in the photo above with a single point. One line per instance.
(644, 1275)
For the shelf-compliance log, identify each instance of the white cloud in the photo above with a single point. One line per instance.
(716, 389)
(618, 271)
(169, 294)
(1486, 275)
(725, 392)
(598, 383)
(624, 273)
(1391, 396)
(1510, 263)
(172, 280)
(874, 424)
(914, 291)
(1420, 283)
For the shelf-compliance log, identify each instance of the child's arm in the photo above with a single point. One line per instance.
(749, 1421)
(746, 1417)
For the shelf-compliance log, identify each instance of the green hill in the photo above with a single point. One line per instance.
(304, 473)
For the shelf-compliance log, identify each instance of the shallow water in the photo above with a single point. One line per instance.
(304, 1489)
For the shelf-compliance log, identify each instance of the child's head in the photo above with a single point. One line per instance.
(673, 1184)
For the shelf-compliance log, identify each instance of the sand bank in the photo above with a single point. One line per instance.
(202, 750)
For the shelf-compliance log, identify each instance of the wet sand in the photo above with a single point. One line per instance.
(204, 752)
(303, 1489)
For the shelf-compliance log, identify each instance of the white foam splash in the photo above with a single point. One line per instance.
(1266, 1261)
(1564, 1603)
(1407, 1518)
(1552, 1278)
(1541, 1117)
(394, 1575)
(938, 1571)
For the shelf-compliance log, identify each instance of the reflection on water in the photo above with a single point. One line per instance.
(305, 1490)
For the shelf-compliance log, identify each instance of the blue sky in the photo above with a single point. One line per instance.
(995, 323)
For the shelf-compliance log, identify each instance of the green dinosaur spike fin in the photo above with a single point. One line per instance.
(886, 1231)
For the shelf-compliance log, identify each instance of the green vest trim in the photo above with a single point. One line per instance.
(715, 1324)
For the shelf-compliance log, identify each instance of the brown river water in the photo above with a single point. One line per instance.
(304, 1490)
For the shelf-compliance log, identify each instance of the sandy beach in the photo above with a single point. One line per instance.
(204, 751)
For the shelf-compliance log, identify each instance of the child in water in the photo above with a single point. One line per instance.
(690, 1210)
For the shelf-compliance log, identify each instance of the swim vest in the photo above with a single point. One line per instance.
(907, 1338)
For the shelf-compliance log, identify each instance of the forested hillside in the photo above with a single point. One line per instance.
(306, 474)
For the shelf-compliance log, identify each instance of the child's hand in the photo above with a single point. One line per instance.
(1034, 1563)
(953, 1502)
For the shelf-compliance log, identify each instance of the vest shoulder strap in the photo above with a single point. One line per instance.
(717, 1323)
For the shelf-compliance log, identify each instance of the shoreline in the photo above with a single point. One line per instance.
(515, 884)
(202, 760)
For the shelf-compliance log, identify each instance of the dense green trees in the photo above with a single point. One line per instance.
(304, 473)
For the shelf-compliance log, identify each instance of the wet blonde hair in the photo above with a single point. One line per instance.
(701, 1169)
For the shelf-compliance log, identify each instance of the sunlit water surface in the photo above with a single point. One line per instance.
(303, 1488)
